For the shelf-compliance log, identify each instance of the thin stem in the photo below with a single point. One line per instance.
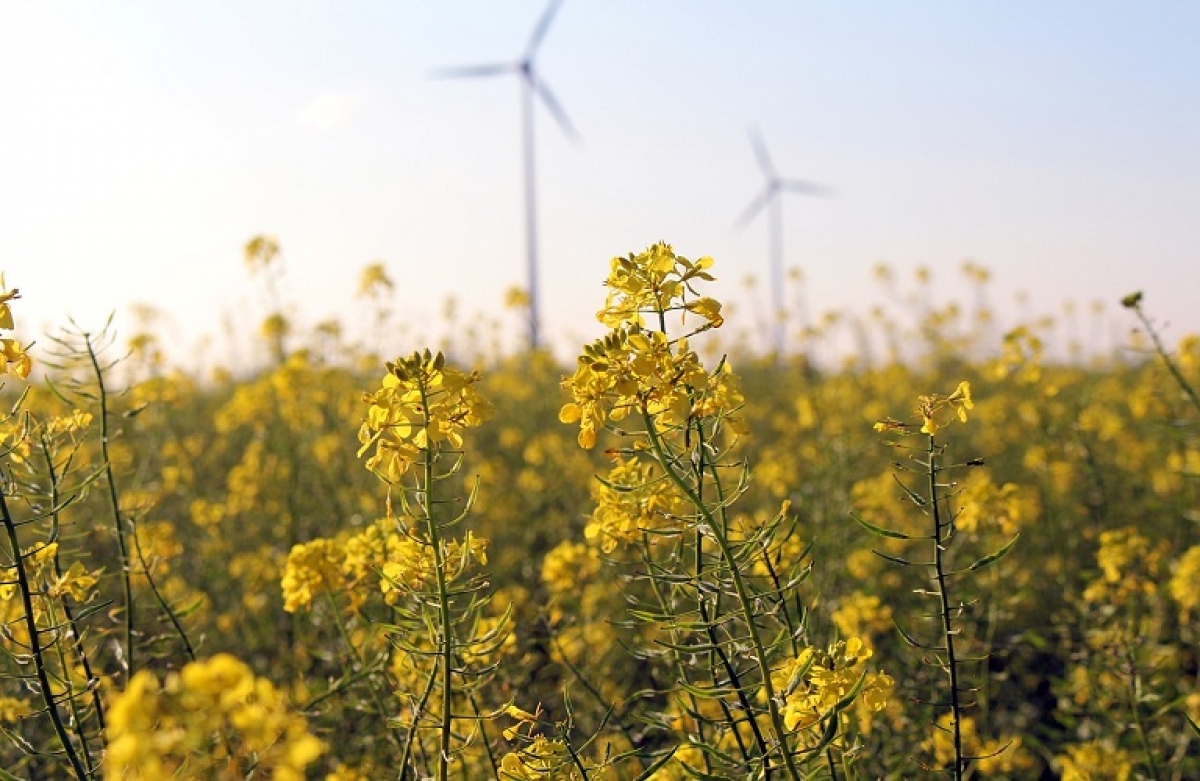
(734, 679)
(76, 635)
(1166, 358)
(743, 594)
(162, 601)
(114, 502)
(411, 738)
(439, 562)
(77, 716)
(35, 642)
(941, 537)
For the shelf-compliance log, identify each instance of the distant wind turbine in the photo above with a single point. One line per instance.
(770, 196)
(532, 87)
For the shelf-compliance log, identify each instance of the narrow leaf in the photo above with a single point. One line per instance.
(986, 560)
(882, 532)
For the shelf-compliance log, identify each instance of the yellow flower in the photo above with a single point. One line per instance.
(1095, 760)
(14, 359)
(213, 718)
(6, 295)
(421, 404)
(634, 500)
(1182, 586)
(312, 568)
(374, 281)
(928, 407)
(816, 681)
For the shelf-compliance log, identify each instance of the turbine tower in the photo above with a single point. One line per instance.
(533, 88)
(770, 198)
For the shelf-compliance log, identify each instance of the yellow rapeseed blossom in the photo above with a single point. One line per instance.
(374, 282)
(568, 564)
(13, 358)
(633, 500)
(813, 683)
(422, 403)
(929, 406)
(311, 568)
(630, 371)
(1183, 586)
(213, 718)
(637, 368)
(655, 282)
(982, 505)
(412, 564)
(1129, 566)
(543, 759)
(13, 710)
(931, 409)
(861, 615)
(1095, 760)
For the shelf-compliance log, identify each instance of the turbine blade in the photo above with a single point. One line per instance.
(474, 71)
(553, 106)
(539, 32)
(758, 204)
(760, 154)
(808, 188)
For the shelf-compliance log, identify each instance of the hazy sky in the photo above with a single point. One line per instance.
(141, 145)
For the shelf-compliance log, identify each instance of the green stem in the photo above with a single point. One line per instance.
(743, 595)
(439, 563)
(411, 738)
(76, 635)
(77, 716)
(1166, 357)
(941, 537)
(114, 502)
(730, 671)
(162, 601)
(35, 642)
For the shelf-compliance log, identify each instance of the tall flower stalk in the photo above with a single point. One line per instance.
(933, 501)
(413, 430)
(715, 584)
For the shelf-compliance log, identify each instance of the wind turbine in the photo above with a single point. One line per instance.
(532, 88)
(769, 197)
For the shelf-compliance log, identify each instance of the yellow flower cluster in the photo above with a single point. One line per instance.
(861, 615)
(312, 568)
(633, 500)
(415, 567)
(77, 582)
(13, 358)
(634, 369)
(1129, 566)
(421, 404)
(816, 681)
(983, 505)
(932, 409)
(543, 759)
(655, 282)
(1182, 585)
(213, 719)
(379, 557)
(1095, 759)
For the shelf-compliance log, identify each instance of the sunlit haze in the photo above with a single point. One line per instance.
(142, 144)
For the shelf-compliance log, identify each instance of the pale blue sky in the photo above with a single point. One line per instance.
(141, 144)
